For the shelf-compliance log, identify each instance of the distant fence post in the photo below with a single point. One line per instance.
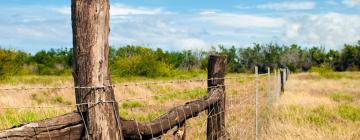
(275, 83)
(216, 112)
(282, 80)
(268, 82)
(287, 73)
(256, 103)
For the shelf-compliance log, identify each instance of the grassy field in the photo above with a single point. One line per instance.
(314, 106)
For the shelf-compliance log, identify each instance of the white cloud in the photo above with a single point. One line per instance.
(351, 3)
(330, 29)
(306, 5)
(207, 12)
(191, 44)
(241, 20)
(62, 10)
(119, 9)
(47, 27)
(155, 31)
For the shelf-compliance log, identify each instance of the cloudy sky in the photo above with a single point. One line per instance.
(187, 24)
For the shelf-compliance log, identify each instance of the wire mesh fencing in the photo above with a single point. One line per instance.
(157, 105)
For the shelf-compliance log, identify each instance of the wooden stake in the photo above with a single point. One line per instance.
(282, 80)
(216, 111)
(90, 25)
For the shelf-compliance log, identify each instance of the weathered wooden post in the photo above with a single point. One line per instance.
(216, 112)
(287, 73)
(276, 83)
(268, 82)
(282, 80)
(90, 25)
(256, 103)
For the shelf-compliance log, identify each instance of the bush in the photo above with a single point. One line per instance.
(11, 62)
(140, 61)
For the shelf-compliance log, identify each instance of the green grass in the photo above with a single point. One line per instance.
(349, 112)
(131, 104)
(181, 95)
(181, 75)
(319, 116)
(338, 97)
(50, 79)
(15, 117)
(35, 79)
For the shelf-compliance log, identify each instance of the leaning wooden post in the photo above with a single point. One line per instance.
(282, 80)
(216, 112)
(90, 25)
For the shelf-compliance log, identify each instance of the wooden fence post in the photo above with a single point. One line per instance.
(90, 25)
(256, 103)
(286, 74)
(282, 80)
(216, 112)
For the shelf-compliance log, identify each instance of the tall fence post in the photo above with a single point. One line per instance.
(98, 109)
(257, 103)
(216, 112)
(275, 83)
(278, 82)
(268, 83)
(282, 80)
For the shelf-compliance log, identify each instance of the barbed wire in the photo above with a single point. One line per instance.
(244, 97)
(120, 85)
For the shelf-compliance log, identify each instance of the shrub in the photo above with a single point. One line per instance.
(11, 62)
(322, 70)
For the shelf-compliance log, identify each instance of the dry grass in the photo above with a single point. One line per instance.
(313, 107)
(137, 102)
(317, 107)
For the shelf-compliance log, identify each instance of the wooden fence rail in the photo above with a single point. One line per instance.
(97, 115)
(72, 125)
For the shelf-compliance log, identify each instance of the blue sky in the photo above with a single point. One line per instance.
(187, 24)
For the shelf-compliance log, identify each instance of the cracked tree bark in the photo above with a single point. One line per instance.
(90, 25)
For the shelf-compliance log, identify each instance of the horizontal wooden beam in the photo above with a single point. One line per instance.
(70, 126)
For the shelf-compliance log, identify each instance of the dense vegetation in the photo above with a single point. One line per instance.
(141, 61)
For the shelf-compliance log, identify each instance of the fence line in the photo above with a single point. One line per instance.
(122, 85)
(244, 90)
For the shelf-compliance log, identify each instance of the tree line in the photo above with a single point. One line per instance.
(133, 60)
